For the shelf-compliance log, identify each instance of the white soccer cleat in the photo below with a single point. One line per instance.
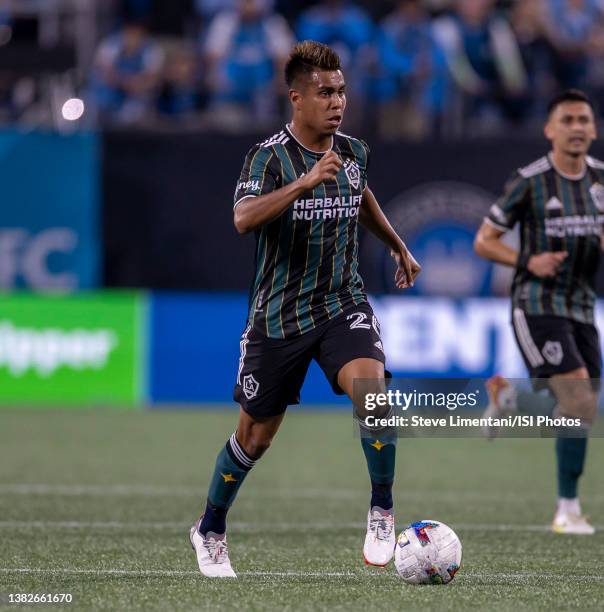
(380, 539)
(571, 523)
(212, 553)
(502, 403)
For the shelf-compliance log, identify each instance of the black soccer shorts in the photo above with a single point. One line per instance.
(556, 345)
(272, 370)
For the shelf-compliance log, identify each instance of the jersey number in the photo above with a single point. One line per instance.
(358, 323)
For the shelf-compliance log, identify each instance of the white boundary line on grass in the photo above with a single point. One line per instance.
(249, 527)
(165, 573)
(134, 490)
(288, 574)
(84, 489)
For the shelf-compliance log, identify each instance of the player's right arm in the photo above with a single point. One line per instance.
(501, 218)
(488, 244)
(253, 210)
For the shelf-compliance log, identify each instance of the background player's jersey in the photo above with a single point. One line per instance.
(556, 213)
(306, 259)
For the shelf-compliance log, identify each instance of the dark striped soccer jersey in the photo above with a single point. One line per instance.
(306, 259)
(556, 213)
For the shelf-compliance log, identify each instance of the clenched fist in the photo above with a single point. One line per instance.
(546, 265)
(325, 169)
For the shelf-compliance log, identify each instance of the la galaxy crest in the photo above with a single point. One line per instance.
(353, 174)
(597, 195)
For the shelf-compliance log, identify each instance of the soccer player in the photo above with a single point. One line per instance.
(558, 201)
(302, 191)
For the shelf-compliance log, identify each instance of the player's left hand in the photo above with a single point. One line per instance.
(406, 268)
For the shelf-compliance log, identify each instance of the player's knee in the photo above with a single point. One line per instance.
(362, 383)
(374, 370)
(583, 405)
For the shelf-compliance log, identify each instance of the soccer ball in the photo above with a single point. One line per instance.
(427, 552)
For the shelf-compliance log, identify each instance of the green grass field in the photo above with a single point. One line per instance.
(98, 504)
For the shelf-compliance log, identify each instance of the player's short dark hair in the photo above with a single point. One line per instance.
(570, 95)
(307, 57)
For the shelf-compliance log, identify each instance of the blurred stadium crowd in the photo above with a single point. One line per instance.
(416, 69)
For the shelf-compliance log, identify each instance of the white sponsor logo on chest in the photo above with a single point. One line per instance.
(326, 208)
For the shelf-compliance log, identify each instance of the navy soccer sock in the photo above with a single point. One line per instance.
(380, 453)
(232, 466)
(570, 453)
(214, 519)
(381, 495)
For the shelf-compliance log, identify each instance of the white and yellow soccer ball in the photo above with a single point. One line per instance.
(427, 552)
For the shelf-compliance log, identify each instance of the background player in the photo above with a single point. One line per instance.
(558, 201)
(302, 191)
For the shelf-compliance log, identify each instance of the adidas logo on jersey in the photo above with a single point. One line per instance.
(553, 204)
